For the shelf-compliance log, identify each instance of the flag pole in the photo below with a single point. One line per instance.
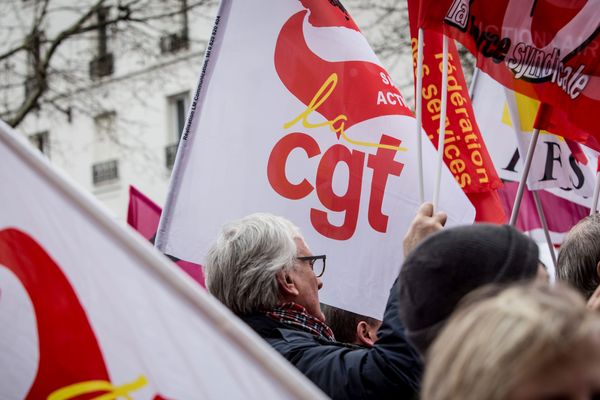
(473, 82)
(419, 112)
(540, 211)
(442, 129)
(594, 205)
(515, 119)
(523, 181)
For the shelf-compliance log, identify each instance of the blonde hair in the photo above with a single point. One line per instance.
(489, 347)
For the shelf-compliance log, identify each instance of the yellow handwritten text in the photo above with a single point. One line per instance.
(336, 125)
(114, 392)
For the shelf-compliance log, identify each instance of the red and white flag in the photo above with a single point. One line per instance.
(295, 115)
(90, 309)
(545, 49)
(555, 166)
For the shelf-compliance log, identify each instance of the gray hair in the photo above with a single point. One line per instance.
(242, 264)
(579, 255)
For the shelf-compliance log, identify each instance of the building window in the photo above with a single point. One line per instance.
(178, 107)
(41, 142)
(173, 42)
(106, 145)
(103, 63)
(105, 172)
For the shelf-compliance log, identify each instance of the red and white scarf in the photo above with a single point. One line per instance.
(295, 315)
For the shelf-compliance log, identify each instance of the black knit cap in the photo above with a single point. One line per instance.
(449, 264)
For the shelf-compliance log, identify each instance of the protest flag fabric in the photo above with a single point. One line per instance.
(294, 115)
(561, 215)
(143, 215)
(465, 153)
(553, 167)
(553, 119)
(545, 49)
(90, 309)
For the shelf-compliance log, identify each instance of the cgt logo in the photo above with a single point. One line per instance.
(345, 93)
(71, 364)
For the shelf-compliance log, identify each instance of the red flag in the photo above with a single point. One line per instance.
(544, 49)
(465, 153)
(554, 120)
(143, 215)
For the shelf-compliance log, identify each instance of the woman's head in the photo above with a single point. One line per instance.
(527, 342)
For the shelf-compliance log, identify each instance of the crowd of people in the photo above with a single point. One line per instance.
(472, 314)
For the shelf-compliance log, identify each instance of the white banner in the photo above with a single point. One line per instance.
(87, 306)
(294, 115)
(553, 167)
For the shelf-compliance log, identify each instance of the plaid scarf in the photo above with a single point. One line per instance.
(296, 316)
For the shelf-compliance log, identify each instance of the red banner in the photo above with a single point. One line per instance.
(544, 49)
(465, 153)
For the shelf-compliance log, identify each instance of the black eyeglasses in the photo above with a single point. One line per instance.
(317, 264)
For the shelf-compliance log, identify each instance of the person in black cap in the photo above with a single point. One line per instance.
(446, 266)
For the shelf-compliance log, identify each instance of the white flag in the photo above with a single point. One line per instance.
(294, 115)
(553, 167)
(88, 307)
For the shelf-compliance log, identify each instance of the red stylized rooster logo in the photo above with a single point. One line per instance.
(362, 89)
(71, 364)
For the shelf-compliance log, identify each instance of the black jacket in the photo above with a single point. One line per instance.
(390, 369)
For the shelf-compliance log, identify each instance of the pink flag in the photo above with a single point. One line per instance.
(143, 215)
(560, 214)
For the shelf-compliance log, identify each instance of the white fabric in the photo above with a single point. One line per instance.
(221, 170)
(148, 318)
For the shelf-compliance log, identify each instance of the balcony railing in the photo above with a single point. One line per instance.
(170, 153)
(102, 65)
(104, 172)
(173, 42)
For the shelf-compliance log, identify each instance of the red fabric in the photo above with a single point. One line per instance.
(68, 349)
(554, 120)
(465, 152)
(143, 215)
(559, 65)
(488, 207)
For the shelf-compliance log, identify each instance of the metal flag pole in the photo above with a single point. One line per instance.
(442, 130)
(540, 211)
(419, 112)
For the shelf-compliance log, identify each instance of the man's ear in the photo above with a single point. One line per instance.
(363, 336)
(286, 284)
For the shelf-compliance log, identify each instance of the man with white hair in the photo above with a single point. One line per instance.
(261, 268)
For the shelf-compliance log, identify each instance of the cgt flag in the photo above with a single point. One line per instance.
(545, 49)
(294, 115)
(89, 309)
